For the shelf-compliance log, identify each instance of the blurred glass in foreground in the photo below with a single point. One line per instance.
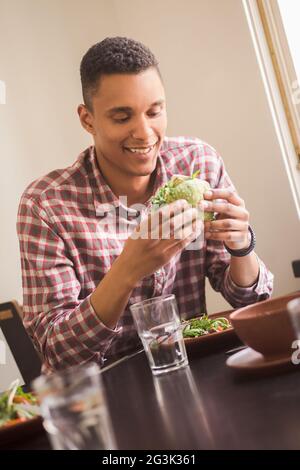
(74, 409)
(293, 307)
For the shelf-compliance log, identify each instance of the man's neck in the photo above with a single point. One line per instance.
(137, 189)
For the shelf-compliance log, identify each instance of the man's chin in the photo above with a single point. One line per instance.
(143, 173)
(145, 169)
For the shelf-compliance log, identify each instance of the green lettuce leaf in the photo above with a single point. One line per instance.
(189, 188)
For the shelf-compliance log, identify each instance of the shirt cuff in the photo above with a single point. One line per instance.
(239, 296)
(90, 330)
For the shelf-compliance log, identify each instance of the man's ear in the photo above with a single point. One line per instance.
(86, 119)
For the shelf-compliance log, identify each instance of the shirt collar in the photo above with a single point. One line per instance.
(105, 200)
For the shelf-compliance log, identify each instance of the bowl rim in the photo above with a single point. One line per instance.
(238, 314)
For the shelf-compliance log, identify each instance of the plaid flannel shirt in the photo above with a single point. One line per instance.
(68, 242)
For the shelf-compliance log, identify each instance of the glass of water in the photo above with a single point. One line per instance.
(159, 327)
(293, 307)
(74, 409)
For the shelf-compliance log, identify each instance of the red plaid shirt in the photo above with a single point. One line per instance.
(66, 250)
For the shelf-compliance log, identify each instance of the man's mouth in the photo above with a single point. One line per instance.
(141, 150)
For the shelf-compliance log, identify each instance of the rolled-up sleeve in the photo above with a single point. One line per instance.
(63, 326)
(217, 271)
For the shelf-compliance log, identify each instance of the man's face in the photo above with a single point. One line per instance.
(128, 122)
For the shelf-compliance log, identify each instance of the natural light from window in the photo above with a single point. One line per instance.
(290, 14)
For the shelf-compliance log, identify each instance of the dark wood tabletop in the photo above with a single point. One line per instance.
(204, 406)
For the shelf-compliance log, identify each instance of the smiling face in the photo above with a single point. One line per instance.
(128, 123)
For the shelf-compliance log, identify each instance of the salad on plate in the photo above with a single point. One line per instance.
(17, 406)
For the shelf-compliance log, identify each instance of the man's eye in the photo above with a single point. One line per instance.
(125, 119)
(122, 119)
(154, 114)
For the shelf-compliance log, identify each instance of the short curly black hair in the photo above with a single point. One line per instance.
(113, 55)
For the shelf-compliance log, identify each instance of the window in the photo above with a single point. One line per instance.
(290, 13)
(275, 34)
(279, 22)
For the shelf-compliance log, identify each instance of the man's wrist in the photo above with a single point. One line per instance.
(244, 271)
(125, 273)
(245, 250)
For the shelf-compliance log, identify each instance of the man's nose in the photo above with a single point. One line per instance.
(142, 129)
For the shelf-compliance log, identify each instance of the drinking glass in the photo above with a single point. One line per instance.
(74, 409)
(159, 327)
(293, 307)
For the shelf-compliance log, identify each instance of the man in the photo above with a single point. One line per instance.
(82, 263)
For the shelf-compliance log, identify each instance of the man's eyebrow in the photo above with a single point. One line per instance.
(127, 109)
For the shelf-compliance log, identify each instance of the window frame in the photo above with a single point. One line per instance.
(278, 74)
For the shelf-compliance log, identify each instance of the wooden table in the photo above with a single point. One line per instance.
(204, 406)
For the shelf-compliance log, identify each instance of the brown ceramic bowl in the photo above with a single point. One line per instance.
(265, 326)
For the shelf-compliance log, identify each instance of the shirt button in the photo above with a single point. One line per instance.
(159, 272)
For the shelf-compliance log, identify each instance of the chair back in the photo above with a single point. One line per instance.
(17, 339)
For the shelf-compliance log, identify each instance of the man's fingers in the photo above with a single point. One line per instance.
(179, 245)
(228, 194)
(174, 221)
(180, 225)
(236, 236)
(225, 224)
(170, 210)
(164, 225)
(225, 207)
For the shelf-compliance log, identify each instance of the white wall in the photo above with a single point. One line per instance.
(9, 370)
(214, 91)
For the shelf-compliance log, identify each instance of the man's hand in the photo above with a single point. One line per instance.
(232, 217)
(159, 237)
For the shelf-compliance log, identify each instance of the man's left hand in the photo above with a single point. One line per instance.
(232, 218)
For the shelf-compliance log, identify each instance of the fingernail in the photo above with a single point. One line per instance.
(208, 193)
(204, 204)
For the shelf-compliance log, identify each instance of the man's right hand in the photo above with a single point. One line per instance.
(158, 238)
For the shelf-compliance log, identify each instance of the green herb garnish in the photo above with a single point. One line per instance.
(204, 325)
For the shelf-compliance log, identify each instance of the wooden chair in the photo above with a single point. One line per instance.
(23, 351)
(296, 267)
